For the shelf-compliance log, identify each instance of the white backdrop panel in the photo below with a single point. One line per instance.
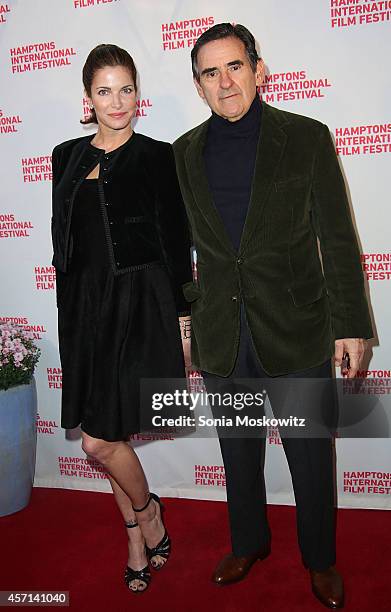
(41, 106)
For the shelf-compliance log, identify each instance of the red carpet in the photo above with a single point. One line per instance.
(73, 540)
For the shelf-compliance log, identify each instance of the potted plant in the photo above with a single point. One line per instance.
(18, 409)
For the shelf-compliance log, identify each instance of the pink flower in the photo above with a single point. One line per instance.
(16, 344)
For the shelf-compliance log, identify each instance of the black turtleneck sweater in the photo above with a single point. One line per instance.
(229, 155)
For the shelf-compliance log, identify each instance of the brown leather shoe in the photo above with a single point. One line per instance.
(327, 586)
(232, 569)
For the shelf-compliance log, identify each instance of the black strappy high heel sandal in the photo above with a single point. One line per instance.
(163, 548)
(143, 575)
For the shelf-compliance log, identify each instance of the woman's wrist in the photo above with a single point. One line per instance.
(185, 327)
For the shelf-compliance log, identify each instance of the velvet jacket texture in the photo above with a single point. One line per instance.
(143, 213)
(295, 306)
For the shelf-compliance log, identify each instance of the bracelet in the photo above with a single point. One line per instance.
(185, 327)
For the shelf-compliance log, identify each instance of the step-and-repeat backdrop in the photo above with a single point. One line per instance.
(328, 59)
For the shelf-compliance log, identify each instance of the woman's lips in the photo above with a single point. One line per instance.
(117, 115)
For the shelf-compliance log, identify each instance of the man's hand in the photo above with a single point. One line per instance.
(354, 349)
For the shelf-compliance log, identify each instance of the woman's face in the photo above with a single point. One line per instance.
(113, 96)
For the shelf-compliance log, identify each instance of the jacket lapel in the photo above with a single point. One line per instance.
(200, 187)
(271, 146)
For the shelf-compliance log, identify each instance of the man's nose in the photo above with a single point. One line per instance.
(225, 80)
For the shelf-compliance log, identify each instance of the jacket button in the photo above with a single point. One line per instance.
(107, 204)
(106, 157)
(114, 244)
(239, 261)
(234, 298)
(111, 222)
(118, 264)
(105, 181)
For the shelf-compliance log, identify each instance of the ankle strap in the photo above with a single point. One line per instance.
(131, 525)
(150, 496)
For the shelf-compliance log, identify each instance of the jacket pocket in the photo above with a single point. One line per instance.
(307, 292)
(191, 291)
(291, 183)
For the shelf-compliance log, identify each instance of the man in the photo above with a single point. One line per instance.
(261, 186)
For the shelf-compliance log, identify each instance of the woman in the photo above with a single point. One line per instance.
(121, 253)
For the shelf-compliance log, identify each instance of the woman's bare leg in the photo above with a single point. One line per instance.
(122, 463)
(137, 558)
(130, 488)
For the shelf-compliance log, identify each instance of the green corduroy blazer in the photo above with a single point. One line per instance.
(297, 302)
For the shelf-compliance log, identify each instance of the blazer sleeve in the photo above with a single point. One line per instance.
(56, 159)
(173, 227)
(338, 244)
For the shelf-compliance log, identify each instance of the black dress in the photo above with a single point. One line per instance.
(107, 330)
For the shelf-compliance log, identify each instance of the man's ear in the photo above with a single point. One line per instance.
(260, 72)
(199, 89)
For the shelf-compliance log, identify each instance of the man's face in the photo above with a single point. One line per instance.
(227, 81)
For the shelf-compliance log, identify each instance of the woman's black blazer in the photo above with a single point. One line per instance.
(143, 213)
